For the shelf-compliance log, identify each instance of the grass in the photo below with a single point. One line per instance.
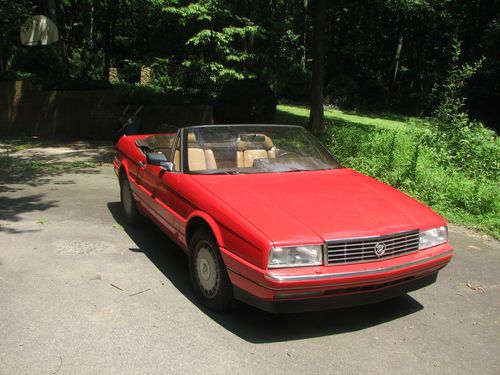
(387, 121)
(394, 149)
(15, 145)
(43, 221)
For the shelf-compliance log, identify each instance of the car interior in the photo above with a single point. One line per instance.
(240, 153)
(159, 143)
(251, 147)
(199, 158)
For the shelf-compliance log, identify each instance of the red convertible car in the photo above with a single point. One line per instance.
(267, 216)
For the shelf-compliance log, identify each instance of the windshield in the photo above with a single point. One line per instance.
(242, 149)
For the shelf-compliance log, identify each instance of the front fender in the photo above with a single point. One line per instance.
(212, 224)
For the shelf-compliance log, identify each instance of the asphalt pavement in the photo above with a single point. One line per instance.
(81, 293)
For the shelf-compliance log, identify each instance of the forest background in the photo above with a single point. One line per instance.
(407, 91)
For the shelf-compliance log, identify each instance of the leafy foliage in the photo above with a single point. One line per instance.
(203, 44)
(461, 142)
(213, 51)
(343, 92)
(12, 16)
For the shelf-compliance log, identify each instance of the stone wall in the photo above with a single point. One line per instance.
(84, 114)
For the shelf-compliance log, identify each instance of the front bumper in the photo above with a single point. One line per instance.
(376, 294)
(316, 288)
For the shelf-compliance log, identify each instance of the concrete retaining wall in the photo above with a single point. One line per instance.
(83, 114)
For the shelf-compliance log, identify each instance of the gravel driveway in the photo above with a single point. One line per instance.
(80, 293)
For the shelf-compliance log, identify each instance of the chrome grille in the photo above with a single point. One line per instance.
(363, 249)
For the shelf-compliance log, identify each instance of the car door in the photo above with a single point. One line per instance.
(145, 181)
(163, 185)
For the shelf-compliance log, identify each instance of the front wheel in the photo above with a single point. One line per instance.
(129, 206)
(208, 273)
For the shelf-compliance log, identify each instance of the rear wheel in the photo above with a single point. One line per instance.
(208, 273)
(129, 206)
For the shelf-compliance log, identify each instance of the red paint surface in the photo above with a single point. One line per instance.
(250, 213)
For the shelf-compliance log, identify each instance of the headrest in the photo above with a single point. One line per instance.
(249, 141)
(192, 138)
(192, 142)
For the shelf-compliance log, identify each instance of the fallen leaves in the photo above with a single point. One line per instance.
(475, 287)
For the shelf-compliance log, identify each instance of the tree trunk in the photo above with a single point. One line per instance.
(397, 57)
(316, 119)
(57, 14)
(304, 39)
(91, 33)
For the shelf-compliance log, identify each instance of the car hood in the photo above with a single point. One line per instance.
(314, 206)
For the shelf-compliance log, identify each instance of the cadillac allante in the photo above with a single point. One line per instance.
(268, 217)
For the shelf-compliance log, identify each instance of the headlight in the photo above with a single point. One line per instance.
(295, 256)
(433, 237)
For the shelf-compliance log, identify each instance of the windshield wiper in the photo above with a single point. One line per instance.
(233, 172)
(305, 170)
(224, 172)
(296, 170)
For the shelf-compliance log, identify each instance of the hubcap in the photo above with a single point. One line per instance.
(206, 270)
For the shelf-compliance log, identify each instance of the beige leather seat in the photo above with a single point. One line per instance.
(253, 146)
(200, 159)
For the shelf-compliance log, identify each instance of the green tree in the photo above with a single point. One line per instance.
(12, 15)
(217, 48)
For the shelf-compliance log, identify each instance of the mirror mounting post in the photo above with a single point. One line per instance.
(167, 166)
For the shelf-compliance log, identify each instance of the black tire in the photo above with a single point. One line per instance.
(129, 206)
(208, 273)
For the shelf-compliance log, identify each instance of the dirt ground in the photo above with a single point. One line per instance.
(59, 151)
(82, 293)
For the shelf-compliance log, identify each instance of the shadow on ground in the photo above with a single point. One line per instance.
(98, 148)
(11, 209)
(288, 118)
(34, 161)
(350, 119)
(41, 176)
(303, 119)
(36, 173)
(250, 324)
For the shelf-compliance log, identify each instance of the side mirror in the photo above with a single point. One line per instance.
(160, 160)
(168, 166)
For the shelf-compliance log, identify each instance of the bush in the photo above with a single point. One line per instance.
(292, 83)
(86, 64)
(343, 92)
(245, 101)
(404, 161)
(373, 93)
(40, 63)
(162, 80)
(147, 95)
(129, 71)
(409, 102)
(460, 142)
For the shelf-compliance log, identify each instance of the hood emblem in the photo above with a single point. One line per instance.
(379, 249)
